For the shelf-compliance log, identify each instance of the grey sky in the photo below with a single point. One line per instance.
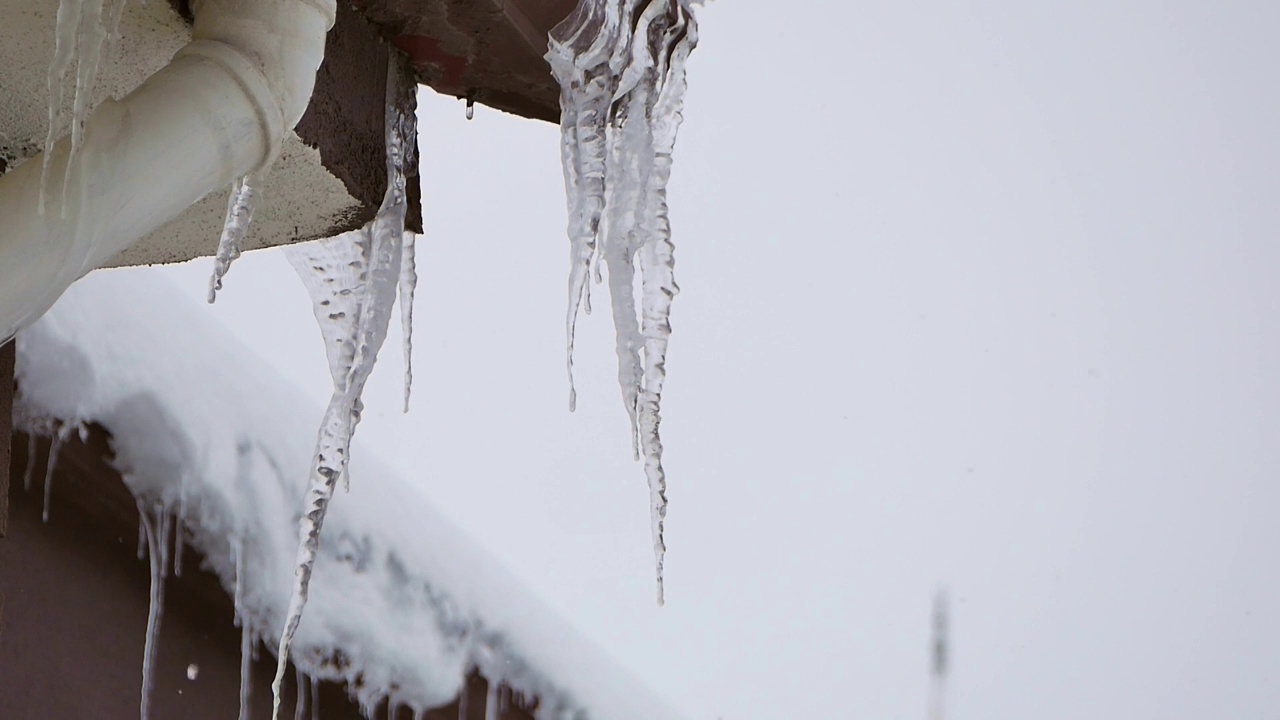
(976, 294)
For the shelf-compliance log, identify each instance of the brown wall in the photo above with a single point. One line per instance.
(6, 432)
(74, 612)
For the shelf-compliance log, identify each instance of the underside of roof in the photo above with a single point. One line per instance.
(489, 51)
(331, 175)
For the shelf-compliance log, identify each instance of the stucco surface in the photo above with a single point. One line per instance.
(302, 199)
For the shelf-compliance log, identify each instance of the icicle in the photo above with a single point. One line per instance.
(585, 99)
(66, 29)
(238, 618)
(29, 474)
(621, 69)
(237, 596)
(156, 524)
(177, 549)
(463, 697)
(89, 52)
(50, 464)
(300, 703)
(240, 206)
(246, 668)
(352, 280)
(408, 282)
(113, 26)
(79, 34)
(315, 699)
(471, 108)
(179, 522)
(491, 701)
(142, 538)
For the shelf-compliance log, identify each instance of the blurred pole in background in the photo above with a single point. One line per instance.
(940, 657)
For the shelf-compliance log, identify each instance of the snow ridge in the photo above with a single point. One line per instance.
(621, 69)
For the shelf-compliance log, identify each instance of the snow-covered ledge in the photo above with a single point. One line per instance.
(217, 446)
(217, 112)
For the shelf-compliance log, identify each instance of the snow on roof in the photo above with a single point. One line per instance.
(401, 605)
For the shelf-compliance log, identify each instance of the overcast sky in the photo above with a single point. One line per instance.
(975, 294)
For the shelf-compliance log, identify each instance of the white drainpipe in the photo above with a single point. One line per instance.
(220, 110)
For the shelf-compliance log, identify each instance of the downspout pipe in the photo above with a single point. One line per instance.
(218, 111)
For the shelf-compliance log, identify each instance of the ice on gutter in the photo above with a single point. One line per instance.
(621, 69)
(398, 597)
(353, 281)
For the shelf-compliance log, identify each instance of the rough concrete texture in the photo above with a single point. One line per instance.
(302, 198)
(345, 120)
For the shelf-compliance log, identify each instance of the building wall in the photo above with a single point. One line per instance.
(74, 612)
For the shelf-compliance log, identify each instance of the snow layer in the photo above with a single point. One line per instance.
(399, 599)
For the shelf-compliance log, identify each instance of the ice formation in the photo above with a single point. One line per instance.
(55, 447)
(157, 524)
(408, 282)
(240, 206)
(491, 702)
(246, 632)
(29, 474)
(300, 701)
(353, 280)
(621, 69)
(79, 34)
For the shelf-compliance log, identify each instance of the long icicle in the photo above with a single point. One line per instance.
(89, 51)
(156, 525)
(66, 35)
(246, 670)
(300, 703)
(315, 698)
(28, 474)
(621, 69)
(408, 283)
(51, 463)
(354, 324)
(246, 633)
(491, 701)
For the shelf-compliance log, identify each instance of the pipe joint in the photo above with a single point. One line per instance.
(255, 86)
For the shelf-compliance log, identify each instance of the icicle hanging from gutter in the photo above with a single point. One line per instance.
(621, 69)
(157, 524)
(235, 227)
(353, 281)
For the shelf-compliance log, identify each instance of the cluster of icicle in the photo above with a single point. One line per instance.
(58, 433)
(81, 29)
(621, 69)
(353, 281)
(156, 529)
(161, 539)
